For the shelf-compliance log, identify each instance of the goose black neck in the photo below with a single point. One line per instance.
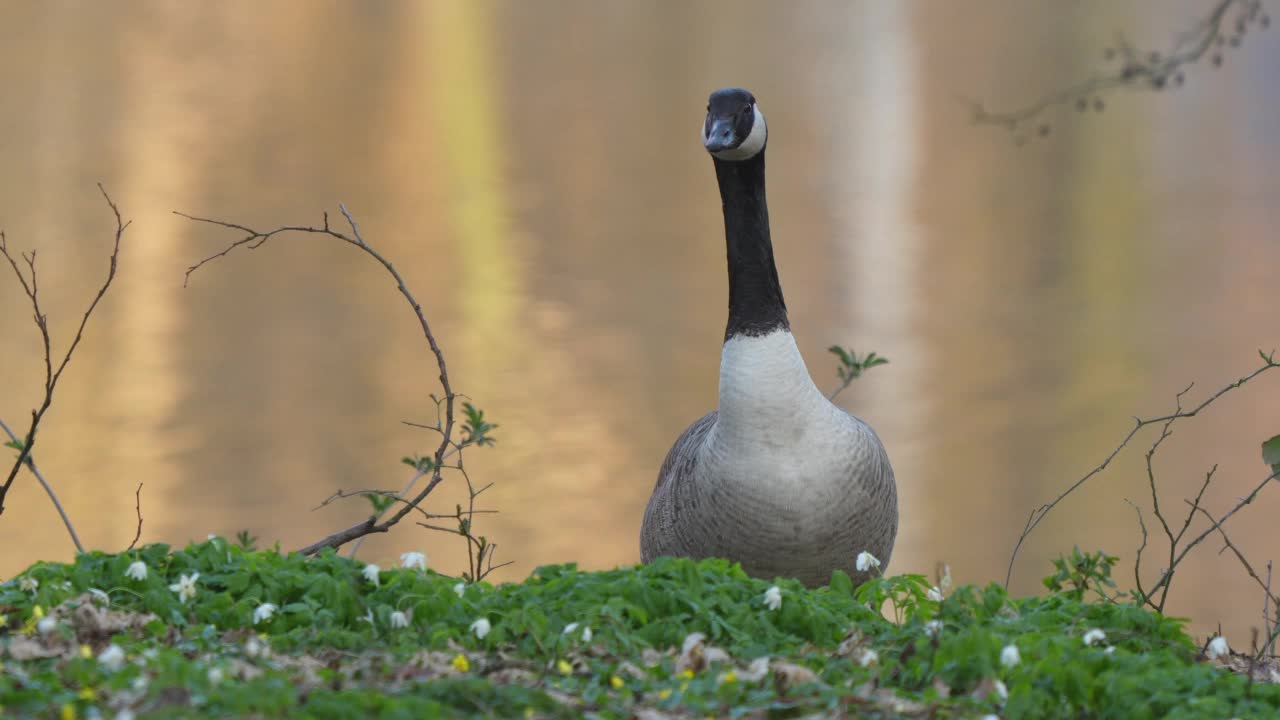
(755, 296)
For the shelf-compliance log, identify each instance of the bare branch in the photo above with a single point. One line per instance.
(137, 497)
(254, 239)
(1267, 622)
(1137, 563)
(1037, 515)
(1133, 69)
(52, 376)
(53, 497)
(1246, 500)
(341, 494)
(1235, 550)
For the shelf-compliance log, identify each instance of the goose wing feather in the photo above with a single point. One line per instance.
(657, 535)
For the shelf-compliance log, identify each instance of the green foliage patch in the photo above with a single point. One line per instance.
(335, 637)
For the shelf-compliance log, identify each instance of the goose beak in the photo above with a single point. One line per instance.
(720, 136)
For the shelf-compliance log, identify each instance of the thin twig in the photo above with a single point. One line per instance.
(1246, 500)
(53, 497)
(1138, 70)
(1165, 432)
(846, 382)
(1173, 539)
(1239, 555)
(254, 239)
(1037, 515)
(400, 496)
(1137, 563)
(42, 322)
(137, 498)
(1267, 622)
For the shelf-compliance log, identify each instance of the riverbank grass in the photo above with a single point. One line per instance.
(220, 630)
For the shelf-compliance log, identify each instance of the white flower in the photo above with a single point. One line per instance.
(460, 588)
(934, 594)
(413, 560)
(112, 658)
(1001, 690)
(26, 583)
(186, 586)
(400, 620)
(866, 561)
(756, 670)
(573, 627)
(368, 616)
(215, 675)
(1110, 649)
(932, 628)
(990, 717)
(1217, 648)
(100, 596)
(868, 657)
(1094, 636)
(773, 598)
(255, 647)
(46, 625)
(1009, 656)
(370, 573)
(481, 627)
(263, 612)
(137, 570)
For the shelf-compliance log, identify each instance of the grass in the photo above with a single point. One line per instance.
(672, 639)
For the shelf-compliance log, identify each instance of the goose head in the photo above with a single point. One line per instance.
(734, 128)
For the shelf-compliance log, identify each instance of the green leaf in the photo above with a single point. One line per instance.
(1271, 453)
(841, 583)
(15, 444)
(421, 463)
(841, 353)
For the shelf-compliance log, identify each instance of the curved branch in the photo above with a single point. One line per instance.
(254, 239)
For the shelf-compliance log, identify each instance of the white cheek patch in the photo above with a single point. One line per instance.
(749, 147)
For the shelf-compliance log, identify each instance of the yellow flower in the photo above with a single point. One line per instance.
(461, 663)
(4, 619)
(86, 652)
(564, 667)
(88, 694)
(686, 674)
(664, 693)
(68, 712)
(616, 682)
(37, 612)
(729, 677)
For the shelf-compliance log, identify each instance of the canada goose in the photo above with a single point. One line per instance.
(778, 478)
